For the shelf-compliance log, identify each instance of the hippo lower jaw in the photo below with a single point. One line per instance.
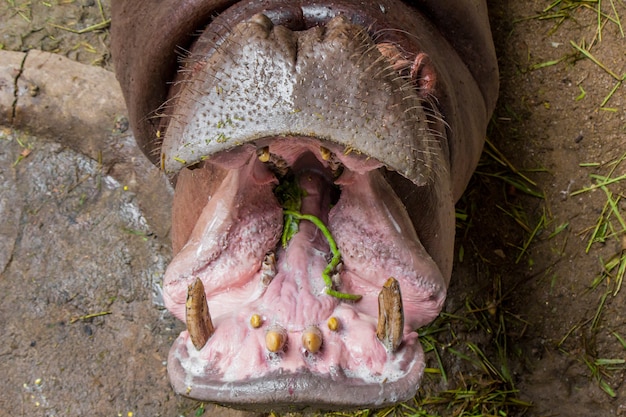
(277, 337)
(253, 296)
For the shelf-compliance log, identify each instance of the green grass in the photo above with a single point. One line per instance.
(605, 14)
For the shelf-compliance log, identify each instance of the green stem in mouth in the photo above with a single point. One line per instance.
(333, 249)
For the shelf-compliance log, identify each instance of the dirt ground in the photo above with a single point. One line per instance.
(535, 321)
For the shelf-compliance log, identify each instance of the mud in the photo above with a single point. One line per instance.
(80, 238)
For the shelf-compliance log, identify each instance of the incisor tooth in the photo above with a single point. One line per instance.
(390, 315)
(312, 339)
(326, 154)
(198, 318)
(275, 339)
(264, 154)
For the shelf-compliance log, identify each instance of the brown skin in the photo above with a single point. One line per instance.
(442, 49)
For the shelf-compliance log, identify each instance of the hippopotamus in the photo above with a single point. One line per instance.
(317, 150)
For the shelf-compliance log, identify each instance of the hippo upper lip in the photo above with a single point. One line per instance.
(272, 82)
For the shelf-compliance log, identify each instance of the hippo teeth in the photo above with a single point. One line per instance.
(390, 315)
(275, 338)
(312, 339)
(198, 319)
(268, 268)
(281, 168)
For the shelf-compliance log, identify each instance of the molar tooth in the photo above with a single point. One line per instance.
(263, 154)
(312, 339)
(390, 315)
(268, 268)
(278, 165)
(275, 339)
(336, 275)
(333, 324)
(198, 318)
(256, 321)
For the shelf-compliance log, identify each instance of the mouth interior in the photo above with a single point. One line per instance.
(295, 319)
(236, 249)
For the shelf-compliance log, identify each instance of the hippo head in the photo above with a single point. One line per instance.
(317, 149)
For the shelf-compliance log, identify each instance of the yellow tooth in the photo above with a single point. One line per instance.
(326, 154)
(198, 317)
(390, 315)
(268, 268)
(264, 154)
(312, 339)
(275, 339)
(256, 321)
(333, 324)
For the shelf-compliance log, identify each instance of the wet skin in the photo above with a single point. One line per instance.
(358, 127)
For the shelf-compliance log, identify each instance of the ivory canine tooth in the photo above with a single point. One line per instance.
(198, 318)
(275, 339)
(312, 339)
(390, 315)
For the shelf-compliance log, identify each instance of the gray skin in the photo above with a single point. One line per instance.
(427, 67)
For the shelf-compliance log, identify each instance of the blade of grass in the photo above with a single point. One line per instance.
(499, 157)
(613, 205)
(620, 339)
(607, 181)
(608, 97)
(542, 221)
(617, 19)
(594, 60)
(98, 26)
(596, 317)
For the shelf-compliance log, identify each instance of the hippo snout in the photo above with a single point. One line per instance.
(317, 150)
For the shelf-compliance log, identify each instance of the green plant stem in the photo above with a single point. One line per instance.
(333, 249)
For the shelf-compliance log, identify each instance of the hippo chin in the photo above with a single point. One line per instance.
(318, 149)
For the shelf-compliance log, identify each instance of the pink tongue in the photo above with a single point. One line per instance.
(295, 298)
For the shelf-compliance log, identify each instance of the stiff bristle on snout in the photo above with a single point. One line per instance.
(199, 324)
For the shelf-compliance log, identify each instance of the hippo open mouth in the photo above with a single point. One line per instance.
(313, 220)
(303, 234)
(259, 289)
